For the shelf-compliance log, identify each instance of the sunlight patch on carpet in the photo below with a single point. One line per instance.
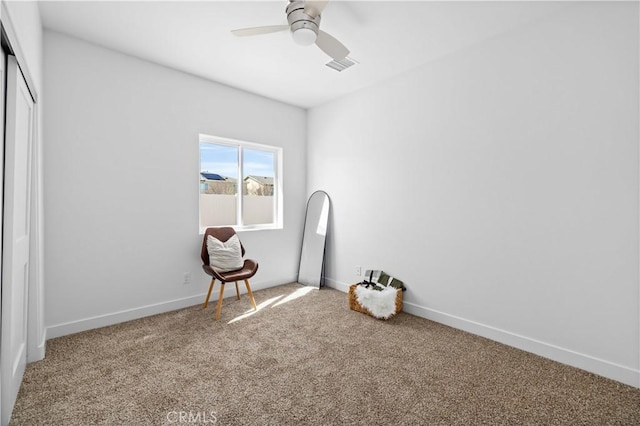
(259, 307)
(295, 295)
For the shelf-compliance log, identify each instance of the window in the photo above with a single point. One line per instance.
(240, 184)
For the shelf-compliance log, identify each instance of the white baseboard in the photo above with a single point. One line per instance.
(98, 321)
(104, 320)
(331, 283)
(594, 365)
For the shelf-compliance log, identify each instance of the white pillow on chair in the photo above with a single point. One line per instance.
(225, 256)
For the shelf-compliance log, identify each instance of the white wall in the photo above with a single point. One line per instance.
(117, 242)
(501, 184)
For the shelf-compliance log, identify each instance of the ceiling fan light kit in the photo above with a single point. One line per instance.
(304, 36)
(303, 18)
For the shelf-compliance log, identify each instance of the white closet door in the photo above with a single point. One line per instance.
(15, 242)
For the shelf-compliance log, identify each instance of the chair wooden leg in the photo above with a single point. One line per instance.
(237, 291)
(253, 302)
(206, 301)
(220, 301)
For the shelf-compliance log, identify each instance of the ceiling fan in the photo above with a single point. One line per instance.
(303, 19)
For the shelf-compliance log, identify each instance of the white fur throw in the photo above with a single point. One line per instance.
(381, 304)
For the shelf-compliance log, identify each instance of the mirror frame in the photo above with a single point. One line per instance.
(315, 263)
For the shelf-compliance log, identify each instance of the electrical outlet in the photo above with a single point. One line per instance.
(358, 270)
(186, 279)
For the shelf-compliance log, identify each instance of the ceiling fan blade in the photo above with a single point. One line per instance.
(259, 30)
(331, 46)
(314, 8)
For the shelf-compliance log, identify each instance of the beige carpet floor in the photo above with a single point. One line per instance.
(306, 358)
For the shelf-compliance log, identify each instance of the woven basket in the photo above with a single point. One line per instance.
(354, 305)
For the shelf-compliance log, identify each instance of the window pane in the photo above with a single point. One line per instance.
(258, 171)
(239, 184)
(218, 184)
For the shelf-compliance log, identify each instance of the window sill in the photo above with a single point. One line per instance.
(247, 228)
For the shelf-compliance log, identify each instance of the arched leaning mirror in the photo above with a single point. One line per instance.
(313, 239)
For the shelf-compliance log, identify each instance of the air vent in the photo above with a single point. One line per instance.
(342, 64)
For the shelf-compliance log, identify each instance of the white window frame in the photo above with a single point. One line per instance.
(277, 180)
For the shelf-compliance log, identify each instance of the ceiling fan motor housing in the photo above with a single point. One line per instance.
(298, 19)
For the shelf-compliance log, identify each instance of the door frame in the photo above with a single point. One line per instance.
(36, 331)
(36, 337)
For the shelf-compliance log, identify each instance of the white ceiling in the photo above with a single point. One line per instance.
(387, 38)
